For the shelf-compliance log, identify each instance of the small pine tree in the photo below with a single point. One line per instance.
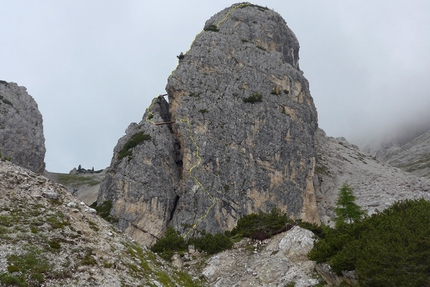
(346, 209)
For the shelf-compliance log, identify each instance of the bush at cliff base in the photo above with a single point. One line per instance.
(391, 248)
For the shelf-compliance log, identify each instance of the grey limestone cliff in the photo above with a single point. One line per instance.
(240, 137)
(21, 128)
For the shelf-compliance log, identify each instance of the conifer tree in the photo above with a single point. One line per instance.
(346, 209)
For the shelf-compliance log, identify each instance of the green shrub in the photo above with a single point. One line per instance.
(319, 230)
(167, 245)
(87, 258)
(261, 225)
(135, 140)
(55, 244)
(57, 221)
(103, 210)
(391, 248)
(211, 244)
(255, 98)
(173, 242)
(32, 266)
(212, 28)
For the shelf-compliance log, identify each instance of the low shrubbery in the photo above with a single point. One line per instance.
(257, 226)
(173, 242)
(135, 140)
(255, 98)
(26, 269)
(261, 225)
(391, 248)
(103, 210)
(212, 28)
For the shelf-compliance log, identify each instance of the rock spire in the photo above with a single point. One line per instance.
(237, 138)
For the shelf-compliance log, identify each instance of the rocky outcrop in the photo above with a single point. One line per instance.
(376, 185)
(143, 179)
(50, 238)
(21, 128)
(239, 136)
(413, 157)
(279, 261)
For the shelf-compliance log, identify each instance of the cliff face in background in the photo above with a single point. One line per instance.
(241, 138)
(413, 157)
(376, 185)
(21, 128)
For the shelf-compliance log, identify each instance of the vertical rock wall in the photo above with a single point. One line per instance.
(246, 121)
(241, 138)
(21, 128)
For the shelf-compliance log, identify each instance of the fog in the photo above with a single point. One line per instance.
(93, 67)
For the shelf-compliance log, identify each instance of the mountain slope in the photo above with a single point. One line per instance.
(376, 185)
(413, 157)
(49, 237)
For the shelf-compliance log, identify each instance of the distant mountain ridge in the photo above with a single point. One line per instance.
(413, 157)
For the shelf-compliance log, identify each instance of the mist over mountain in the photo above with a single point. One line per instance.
(398, 131)
(235, 135)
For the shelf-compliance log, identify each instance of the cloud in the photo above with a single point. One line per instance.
(94, 67)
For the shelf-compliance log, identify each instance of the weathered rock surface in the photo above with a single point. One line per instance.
(376, 185)
(21, 128)
(413, 157)
(50, 238)
(278, 261)
(242, 138)
(143, 186)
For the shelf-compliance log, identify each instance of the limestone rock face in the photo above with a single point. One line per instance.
(376, 185)
(21, 128)
(241, 138)
(245, 120)
(143, 185)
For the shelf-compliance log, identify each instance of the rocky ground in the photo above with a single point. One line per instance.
(70, 245)
(278, 261)
(50, 238)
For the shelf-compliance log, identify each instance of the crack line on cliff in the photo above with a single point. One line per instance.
(199, 160)
(231, 10)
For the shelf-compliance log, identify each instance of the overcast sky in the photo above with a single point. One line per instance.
(94, 66)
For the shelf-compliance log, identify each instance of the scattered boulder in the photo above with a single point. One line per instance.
(278, 261)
